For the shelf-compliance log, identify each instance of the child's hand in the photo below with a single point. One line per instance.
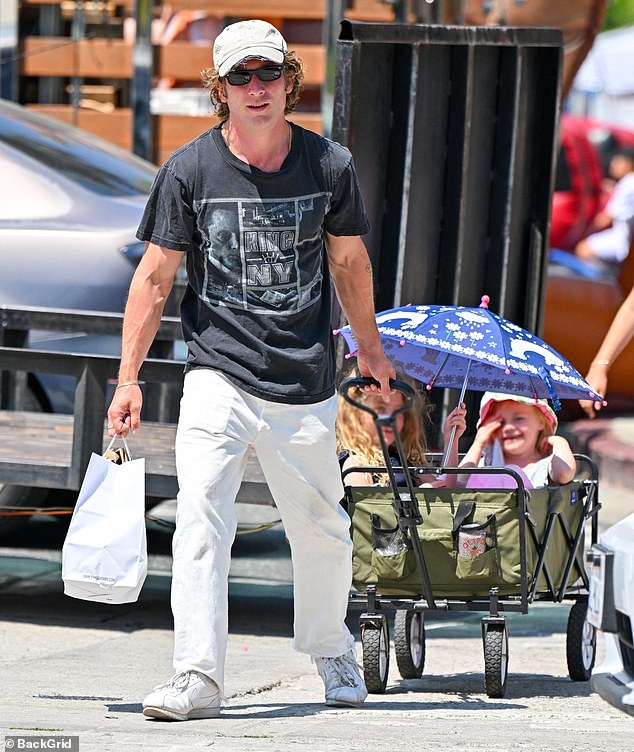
(457, 418)
(484, 436)
(486, 432)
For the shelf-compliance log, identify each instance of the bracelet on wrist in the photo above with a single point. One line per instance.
(126, 383)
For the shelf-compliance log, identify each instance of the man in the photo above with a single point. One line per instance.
(260, 370)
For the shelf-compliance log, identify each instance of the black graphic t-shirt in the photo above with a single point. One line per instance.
(257, 306)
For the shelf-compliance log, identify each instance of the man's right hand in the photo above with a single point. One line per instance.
(124, 413)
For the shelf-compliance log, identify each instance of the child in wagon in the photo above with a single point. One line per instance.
(519, 433)
(359, 444)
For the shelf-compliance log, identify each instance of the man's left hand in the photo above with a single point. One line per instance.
(378, 367)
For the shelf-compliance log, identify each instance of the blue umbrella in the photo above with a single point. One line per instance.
(460, 347)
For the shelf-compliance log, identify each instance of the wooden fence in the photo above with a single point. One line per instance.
(102, 64)
(51, 449)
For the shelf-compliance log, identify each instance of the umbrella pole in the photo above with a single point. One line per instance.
(445, 459)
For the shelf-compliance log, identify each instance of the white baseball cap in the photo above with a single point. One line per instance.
(247, 39)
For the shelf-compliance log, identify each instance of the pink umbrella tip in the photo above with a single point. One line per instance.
(351, 355)
(604, 403)
(335, 331)
(484, 301)
(507, 371)
(428, 387)
(402, 343)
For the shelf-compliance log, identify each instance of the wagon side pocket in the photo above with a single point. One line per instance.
(390, 551)
(477, 550)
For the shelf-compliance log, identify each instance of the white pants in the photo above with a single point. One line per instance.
(295, 445)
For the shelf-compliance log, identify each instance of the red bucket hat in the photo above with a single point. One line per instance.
(491, 398)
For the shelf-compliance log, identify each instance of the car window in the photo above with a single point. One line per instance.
(100, 170)
(25, 194)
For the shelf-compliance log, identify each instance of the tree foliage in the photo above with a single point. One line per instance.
(619, 13)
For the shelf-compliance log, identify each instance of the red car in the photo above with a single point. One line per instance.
(579, 309)
(586, 148)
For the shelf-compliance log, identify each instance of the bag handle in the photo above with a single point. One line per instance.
(118, 456)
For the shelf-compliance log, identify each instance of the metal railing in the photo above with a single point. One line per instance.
(92, 374)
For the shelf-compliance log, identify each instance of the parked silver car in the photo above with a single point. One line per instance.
(70, 204)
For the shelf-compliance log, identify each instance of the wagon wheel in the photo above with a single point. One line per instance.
(581, 643)
(409, 643)
(375, 641)
(496, 660)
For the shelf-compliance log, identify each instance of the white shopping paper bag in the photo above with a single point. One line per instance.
(104, 557)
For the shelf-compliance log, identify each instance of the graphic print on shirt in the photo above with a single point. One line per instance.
(262, 255)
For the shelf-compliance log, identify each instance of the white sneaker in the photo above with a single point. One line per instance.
(186, 695)
(342, 680)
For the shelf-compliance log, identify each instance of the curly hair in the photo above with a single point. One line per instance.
(352, 436)
(293, 73)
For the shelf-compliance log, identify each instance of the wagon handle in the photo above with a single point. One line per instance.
(361, 381)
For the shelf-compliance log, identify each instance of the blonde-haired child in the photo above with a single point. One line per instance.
(359, 442)
(519, 433)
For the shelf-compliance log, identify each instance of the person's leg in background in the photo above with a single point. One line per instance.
(611, 245)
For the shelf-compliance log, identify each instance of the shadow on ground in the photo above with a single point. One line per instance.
(260, 590)
(31, 586)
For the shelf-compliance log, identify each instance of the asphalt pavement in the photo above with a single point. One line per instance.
(76, 669)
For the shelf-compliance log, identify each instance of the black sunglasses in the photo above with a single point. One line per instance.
(242, 77)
